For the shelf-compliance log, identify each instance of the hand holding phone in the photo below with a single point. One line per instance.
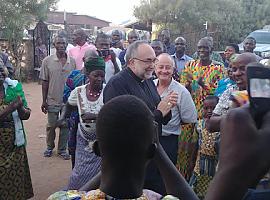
(104, 52)
(258, 90)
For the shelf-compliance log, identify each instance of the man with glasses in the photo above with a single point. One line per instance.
(136, 79)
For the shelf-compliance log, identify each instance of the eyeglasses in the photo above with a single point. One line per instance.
(148, 61)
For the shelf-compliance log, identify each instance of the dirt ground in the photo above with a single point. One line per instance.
(48, 174)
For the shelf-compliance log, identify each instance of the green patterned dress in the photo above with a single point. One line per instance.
(15, 180)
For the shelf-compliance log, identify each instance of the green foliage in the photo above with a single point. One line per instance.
(231, 20)
(16, 16)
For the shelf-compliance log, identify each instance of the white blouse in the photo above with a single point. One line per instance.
(78, 98)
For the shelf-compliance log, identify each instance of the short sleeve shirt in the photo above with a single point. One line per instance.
(109, 69)
(56, 74)
(183, 112)
(181, 62)
(223, 105)
(79, 99)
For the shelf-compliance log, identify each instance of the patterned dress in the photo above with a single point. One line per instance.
(211, 74)
(87, 164)
(15, 180)
(75, 79)
(187, 150)
(188, 140)
(206, 161)
(99, 195)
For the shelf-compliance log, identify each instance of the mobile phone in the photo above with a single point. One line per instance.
(104, 52)
(258, 90)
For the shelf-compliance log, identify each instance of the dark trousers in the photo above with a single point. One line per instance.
(153, 179)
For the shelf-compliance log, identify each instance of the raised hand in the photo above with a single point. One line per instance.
(166, 104)
(244, 155)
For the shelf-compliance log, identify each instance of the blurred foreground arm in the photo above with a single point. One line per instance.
(92, 184)
(244, 155)
(174, 182)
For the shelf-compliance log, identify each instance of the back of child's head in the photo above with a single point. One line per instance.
(209, 105)
(125, 130)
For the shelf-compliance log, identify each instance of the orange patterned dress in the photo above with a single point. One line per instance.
(188, 140)
(210, 74)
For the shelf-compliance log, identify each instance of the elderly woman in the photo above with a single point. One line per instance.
(75, 79)
(88, 99)
(184, 113)
(15, 179)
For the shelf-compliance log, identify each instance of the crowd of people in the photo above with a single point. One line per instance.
(145, 122)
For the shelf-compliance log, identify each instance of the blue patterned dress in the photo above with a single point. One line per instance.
(75, 79)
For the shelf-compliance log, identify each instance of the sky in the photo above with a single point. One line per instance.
(115, 11)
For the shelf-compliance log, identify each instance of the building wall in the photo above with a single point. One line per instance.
(74, 19)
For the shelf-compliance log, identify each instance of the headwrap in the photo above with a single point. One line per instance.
(93, 64)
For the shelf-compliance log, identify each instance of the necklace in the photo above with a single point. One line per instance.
(92, 94)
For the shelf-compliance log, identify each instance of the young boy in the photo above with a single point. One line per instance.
(207, 157)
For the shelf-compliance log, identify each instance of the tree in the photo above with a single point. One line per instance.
(15, 17)
(231, 20)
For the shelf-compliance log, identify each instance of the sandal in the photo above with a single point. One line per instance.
(64, 155)
(48, 153)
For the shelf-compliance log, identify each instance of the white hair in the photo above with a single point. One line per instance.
(169, 56)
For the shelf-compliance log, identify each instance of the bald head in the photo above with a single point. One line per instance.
(239, 68)
(246, 58)
(164, 67)
(165, 57)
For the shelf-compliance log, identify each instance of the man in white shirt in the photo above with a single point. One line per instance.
(113, 65)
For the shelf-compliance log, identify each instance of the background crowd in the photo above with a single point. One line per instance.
(143, 117)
